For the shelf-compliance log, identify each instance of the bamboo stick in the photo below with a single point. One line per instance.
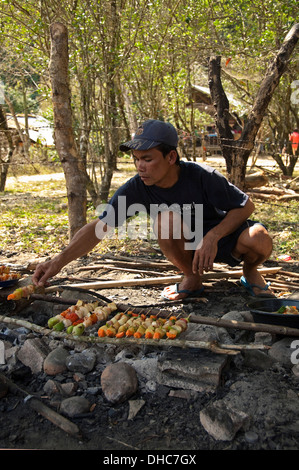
(158, 280)
(220, 322)
(213, 346)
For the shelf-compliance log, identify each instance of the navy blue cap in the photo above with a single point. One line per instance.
(151, 134)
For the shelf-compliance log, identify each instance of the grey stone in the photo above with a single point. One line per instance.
(55, 362)
(32, 354)
(258, 359)
(2, 353)
(221, 421)
(199, 371)
(134, 407)
(74, 406)
(251, 437)
(119, 382)
(81, 362)
(282, 351)
(52, 387)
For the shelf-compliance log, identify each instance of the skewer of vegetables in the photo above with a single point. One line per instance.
(7, 275)
(96, 315)
(139, 326)
(80, 316)
(22, 292)
(4, 269)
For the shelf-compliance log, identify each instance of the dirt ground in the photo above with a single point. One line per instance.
(165, 423)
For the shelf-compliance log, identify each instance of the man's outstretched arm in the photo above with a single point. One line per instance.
(82, 243)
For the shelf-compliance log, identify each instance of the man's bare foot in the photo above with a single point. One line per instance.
(188, 287)
(257, 282)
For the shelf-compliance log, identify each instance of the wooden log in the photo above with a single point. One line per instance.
(270, 190)
(288, 197)
(55, 418)
(255, 180)
(157, 280)
(289, 274)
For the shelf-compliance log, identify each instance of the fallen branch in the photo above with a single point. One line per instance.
(118, 268)
(288, 197)
(140, 262)
(157, 280)
(55, 418)
(289, 274)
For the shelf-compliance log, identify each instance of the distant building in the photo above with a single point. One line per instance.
(40, 129)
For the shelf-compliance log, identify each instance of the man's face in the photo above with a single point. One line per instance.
(154, 168)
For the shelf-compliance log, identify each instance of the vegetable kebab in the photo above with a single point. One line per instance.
(77, 318)
(23, 292)
(7, 275)
(130, 324)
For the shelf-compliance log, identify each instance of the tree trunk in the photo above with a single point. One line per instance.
(73, 167)
(236, 153)
(4, 162)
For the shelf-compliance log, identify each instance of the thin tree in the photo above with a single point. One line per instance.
(73, 167)
(237, 152)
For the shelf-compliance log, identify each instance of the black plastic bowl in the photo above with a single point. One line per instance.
(264, 311)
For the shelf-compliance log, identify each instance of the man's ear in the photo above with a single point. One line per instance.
(172, 156)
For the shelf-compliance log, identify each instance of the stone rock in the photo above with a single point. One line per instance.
(251, 437)
(11, 356)
(146, 368)
(295, 370)
(134, 407)
(221, 421)
(119, 382)
(248, 402)
(2, 353)
(69, 388)
(201, 333)
(3, 389)
(261, 337)
(32, 354)
(258, 360)
(52, 387)
(282, 351)
(185, 394)
(55, 362)
(236, 334)
(74, 406)
(81, 362)
(198, 370)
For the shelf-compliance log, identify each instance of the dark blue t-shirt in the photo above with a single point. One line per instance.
(197, 184)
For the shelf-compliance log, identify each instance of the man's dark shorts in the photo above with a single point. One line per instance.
(227, 244)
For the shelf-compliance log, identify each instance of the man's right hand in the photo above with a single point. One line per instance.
(44, 271)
